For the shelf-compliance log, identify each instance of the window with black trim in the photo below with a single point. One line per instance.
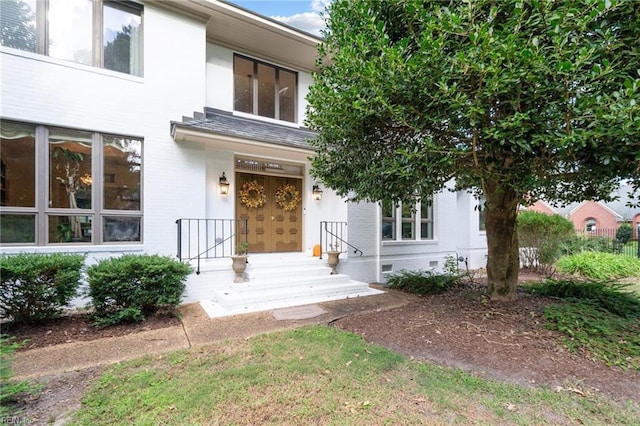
(101, 33)
(263, 89)
(90, 191)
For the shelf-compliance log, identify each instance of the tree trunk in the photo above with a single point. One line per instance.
(503, 262)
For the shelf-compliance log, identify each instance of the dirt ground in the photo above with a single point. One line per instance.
(501, 341)
(460, 329)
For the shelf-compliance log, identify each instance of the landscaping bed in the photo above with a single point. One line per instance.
(459, 329)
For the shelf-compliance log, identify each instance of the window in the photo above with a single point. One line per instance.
(415, 222)
(102, 33)
(263, 89)
(482, 214)
(590, 225)
(74, 204)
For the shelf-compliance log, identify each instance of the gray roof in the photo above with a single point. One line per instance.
(224, 123)
(619, 206)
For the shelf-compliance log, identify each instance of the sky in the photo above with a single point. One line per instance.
(301, 14)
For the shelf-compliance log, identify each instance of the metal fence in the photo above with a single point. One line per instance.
(607, 239)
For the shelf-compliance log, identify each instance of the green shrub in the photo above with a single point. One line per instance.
(10, 390)
(608, 337)
(600, 266)
(422, 282)
(579, 244)
(36, 287)
(540, 237)
(611, 296)
(624, 233)
(598, 317)
(126, 288)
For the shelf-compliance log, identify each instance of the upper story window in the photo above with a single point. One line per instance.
(101, 33)
(61, 186)
(406, 222)
(263, 89)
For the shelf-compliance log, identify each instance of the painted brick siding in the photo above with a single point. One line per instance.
(219, 72)
(450, 239)
(48, 91)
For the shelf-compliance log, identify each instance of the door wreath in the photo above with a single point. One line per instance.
(252, 195)
(287, 197)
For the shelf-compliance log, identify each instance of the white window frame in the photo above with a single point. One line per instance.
(416, 220)
(590, 225)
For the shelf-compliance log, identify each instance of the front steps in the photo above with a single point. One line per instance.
(279, 281)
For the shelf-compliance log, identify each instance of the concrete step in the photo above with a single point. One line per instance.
(217, 309)
(282, 280)
(286, 272)
(342, 286)
(271, 283)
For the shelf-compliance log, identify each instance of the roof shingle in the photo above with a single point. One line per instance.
(224, 123)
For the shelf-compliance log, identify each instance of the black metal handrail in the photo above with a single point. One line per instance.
(332, 236)
(208, 238)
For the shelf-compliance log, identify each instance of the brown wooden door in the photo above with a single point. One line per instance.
(270, 228)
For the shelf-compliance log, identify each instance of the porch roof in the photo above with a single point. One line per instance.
(223, 123)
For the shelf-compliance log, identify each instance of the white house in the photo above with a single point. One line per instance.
(122, 120)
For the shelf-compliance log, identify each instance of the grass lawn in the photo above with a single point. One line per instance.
(321, 375)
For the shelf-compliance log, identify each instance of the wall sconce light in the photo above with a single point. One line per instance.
(317, 193)
(223, 184)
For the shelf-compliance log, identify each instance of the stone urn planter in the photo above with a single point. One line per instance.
(333, 258)
(240, 262)
(239, 266)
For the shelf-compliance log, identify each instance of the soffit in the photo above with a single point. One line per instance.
(250, 33)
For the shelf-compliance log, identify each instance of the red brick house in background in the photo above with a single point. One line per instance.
(591, 216)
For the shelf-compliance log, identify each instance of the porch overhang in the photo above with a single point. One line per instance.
(222, 131)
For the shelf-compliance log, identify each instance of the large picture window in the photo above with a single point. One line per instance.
(263, 89)
(70, 202)
(101, 33)
(406, 222)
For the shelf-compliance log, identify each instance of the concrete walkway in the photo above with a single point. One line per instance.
(196, 329)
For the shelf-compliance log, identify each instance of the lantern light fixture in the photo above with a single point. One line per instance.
(317, 193)
(223, 185)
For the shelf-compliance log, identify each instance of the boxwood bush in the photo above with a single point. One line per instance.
(126, 288)
(36, 287)
(423, 282)
(541, 237)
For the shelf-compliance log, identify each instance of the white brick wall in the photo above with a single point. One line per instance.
(219, 71)
(455, 233)
(48, 91)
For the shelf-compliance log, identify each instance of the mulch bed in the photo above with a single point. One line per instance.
(78, 327)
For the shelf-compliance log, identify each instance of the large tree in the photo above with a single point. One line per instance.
(517, 100)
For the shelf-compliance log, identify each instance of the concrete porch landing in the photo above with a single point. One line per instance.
(280, 281)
